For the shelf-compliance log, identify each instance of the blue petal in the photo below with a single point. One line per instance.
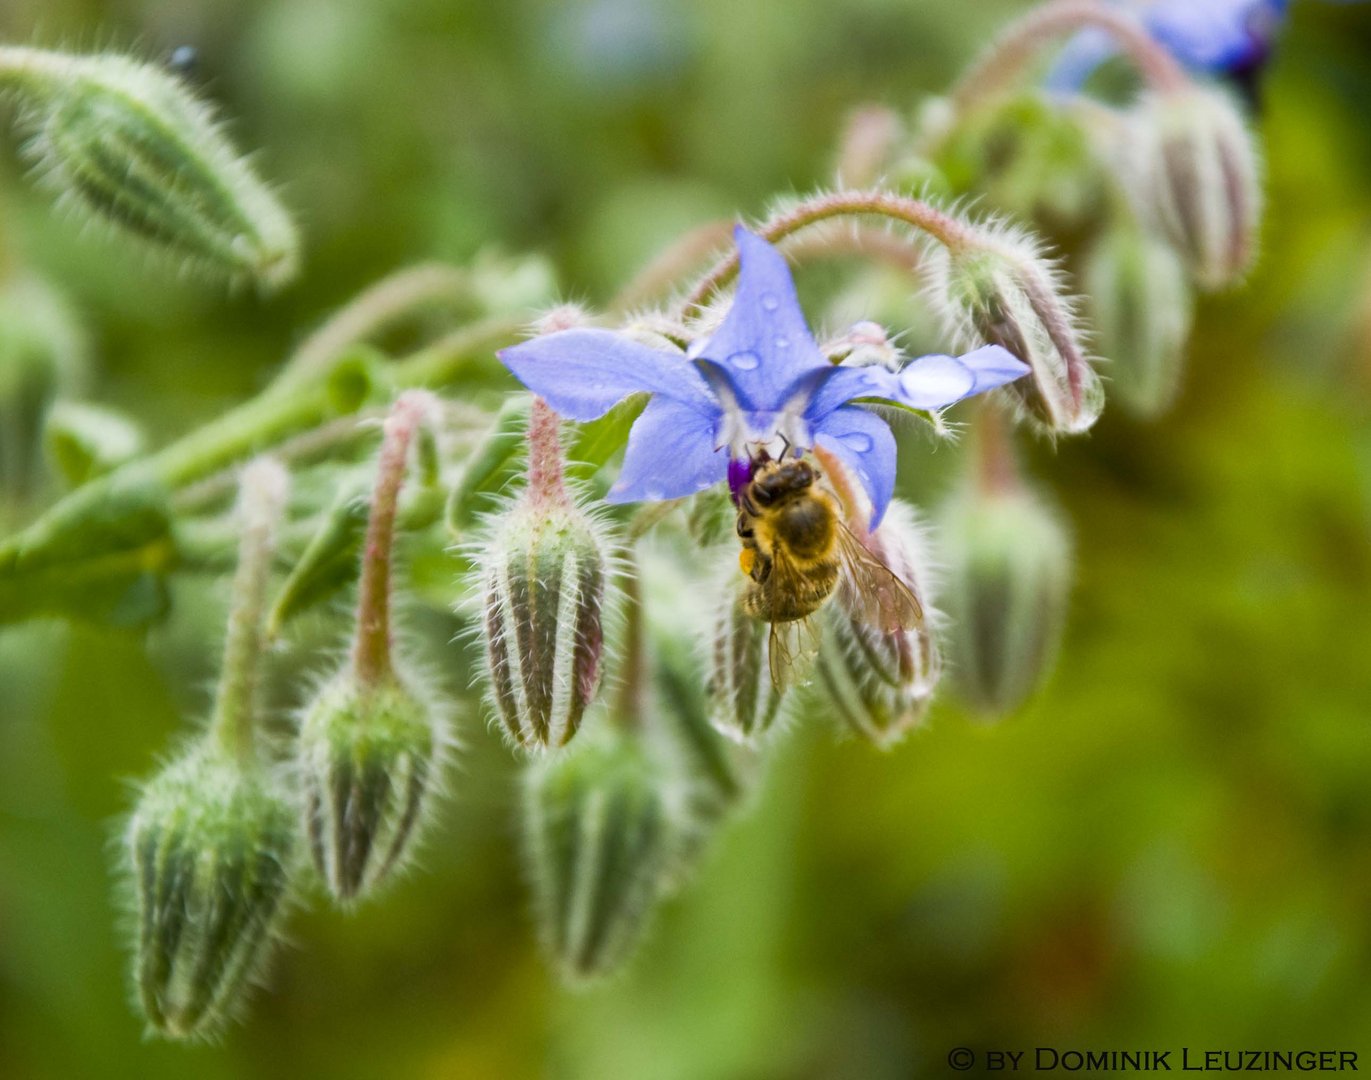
(930, 382)
(865, 444)
(763, 341)
(582, 374)
(1206, 35)
(1217, 35)
(670, 454)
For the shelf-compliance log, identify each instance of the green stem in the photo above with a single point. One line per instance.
(995, 465)
(385, 303)
(631, 706)
(261, 507)
(258, 426)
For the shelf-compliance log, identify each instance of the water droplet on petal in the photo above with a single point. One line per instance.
(770, 301)
(744, 361)
(781, 341)
(653, 493)
(857, 442)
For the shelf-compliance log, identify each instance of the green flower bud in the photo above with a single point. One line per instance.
(1197, 166)
(1008, 574)
(85, 441)
(598, 843)
(129, 144)
(543, 585)
(880, 684)
(211, 845)
(1002, 291)
(709, 777)
(1029, 156)
(1141, 305)
(369, 758)
(743, 700)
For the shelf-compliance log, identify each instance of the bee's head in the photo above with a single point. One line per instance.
(776, 480)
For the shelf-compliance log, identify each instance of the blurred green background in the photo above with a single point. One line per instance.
(1171, 846)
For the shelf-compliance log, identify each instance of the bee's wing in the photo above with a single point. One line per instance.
(791, 645)
(873, 591)
(791, 648)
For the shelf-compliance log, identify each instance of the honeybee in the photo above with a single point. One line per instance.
(797, 551)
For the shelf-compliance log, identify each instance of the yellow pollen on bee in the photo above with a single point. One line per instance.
(747, 559)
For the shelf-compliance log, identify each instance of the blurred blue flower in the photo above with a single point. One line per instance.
(758, 383)
(1220, 37)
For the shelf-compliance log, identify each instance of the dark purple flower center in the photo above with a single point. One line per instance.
(739, 475)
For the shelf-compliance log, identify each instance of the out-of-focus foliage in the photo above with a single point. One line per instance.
(1169, 847)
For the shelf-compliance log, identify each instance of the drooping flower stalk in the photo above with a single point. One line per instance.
(371, 652)
(371, 741)
(942, 227)
(1006, 59)
(544, 568)
(211, 844)
(265, 486)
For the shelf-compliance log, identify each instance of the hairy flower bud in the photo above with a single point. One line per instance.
(368, 758)
(129, 144)
(1197, 166)
(881, 684)
(543, 586)
(1008, 574)
(1001, 290)
(85, 441)
(743, 702)
(1028, 156)
(211, 845)
(1140, 305)
(598, 843)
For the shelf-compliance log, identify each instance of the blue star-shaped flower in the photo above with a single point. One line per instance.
(1221, 37)
(757, 383)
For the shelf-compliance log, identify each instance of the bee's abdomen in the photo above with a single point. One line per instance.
(798, 600)
(808, 529)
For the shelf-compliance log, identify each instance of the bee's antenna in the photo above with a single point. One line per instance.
(785, 449)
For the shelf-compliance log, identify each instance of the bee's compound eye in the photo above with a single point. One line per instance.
(762, 496)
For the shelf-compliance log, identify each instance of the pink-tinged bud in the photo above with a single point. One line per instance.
(743, 700)
(1198, 172)
(544, 588)
(544, 565)
(1000, 289)
(881, 684)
